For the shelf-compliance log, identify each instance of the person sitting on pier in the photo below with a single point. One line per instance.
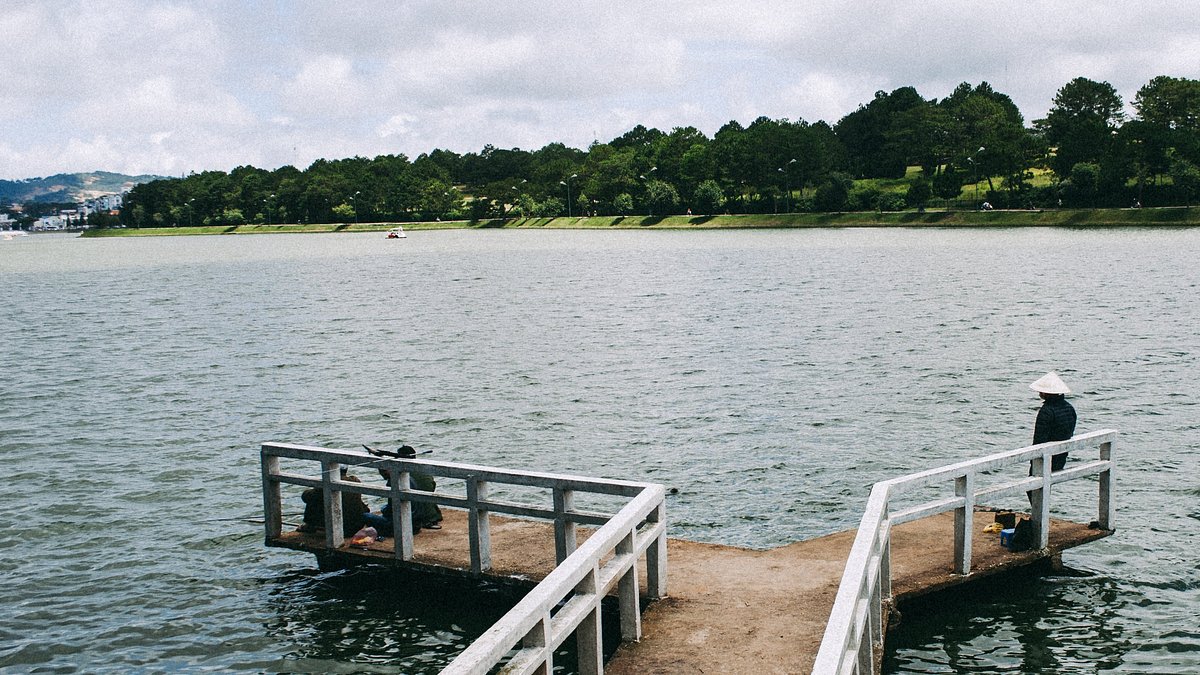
(424, 514)
(353, 508)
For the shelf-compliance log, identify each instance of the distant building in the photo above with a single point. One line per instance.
(7, 222)
(49, 224)
(104, 203)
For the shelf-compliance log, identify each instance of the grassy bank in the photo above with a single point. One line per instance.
(1171, 217)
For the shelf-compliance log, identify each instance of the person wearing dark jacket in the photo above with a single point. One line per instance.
(425, 515)
(1056, 418)
(353, 508)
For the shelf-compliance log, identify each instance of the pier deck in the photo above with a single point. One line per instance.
(728, 609)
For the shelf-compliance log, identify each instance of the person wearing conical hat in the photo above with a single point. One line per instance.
(1056, 417)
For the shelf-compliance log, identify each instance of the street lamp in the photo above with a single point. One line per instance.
(267, 203)
(649, 204)
(191, 212)
(355, 200)
(975, 177)
(976, 165)
(567, 183)
(787, 185)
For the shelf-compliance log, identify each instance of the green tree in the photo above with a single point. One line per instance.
(987, 133)
(1081, 187)
(870, 134)
(833, 193)
(919, 193)
(232, 216)
(1186, 177)
(947, 184)
(343, 213)
(623, 204)
(1081, 123)
(661, 197)
(1171, 102)
(1168, 125)
(708, 197)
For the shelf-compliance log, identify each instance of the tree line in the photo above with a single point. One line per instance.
(1088, 152)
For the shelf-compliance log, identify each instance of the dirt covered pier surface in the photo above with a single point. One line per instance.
(729, 609)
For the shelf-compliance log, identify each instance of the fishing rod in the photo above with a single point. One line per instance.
(395, 454)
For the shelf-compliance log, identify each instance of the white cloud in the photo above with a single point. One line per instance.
(326, 87)
(176, 85)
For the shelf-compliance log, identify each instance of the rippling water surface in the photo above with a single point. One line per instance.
(771, 376)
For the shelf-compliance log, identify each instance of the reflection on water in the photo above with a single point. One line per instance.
(769, 376)
(373, 619)
(1013, 624)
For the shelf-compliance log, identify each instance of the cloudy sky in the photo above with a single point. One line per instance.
(150, 86)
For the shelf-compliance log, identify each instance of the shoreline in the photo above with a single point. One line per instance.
(1076, 218)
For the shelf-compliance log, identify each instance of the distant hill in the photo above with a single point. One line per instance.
(68, 187)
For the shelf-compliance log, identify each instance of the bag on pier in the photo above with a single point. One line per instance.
(1024, 536)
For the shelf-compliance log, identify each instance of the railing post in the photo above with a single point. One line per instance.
(656, 557)
(478, 528)
(885, 555)
(964, 522)
(1106, 507)
(627, 594)
(272, 499)
(876, 605)
(331, 471)
(1039, 499)
(538, 637)
(589, 639)
(401, 515)
(866, 651)
(564, 528)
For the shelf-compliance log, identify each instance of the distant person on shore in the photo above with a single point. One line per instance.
(353, 508)
(424, 514)
(1056, 418)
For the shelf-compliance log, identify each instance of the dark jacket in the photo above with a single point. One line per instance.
(353, 508)
(1055, 422)
(424, 514)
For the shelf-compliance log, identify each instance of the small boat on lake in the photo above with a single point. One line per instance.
(396, 233)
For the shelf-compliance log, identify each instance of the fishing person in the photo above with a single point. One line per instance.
(353, 508)
(1056, 418)
(425, 515)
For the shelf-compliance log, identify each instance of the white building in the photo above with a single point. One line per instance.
(49, 223)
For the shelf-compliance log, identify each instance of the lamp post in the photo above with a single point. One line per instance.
(191, 212)
(516, 194)
(567, 183)
(355, 200)
(649, 202)
(976, 165)
(267, 202)
(975, 177)
(787, 185)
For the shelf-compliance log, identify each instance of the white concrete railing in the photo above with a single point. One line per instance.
(855, 628)
(567, 601)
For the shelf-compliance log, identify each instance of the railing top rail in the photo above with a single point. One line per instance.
(841, 618)
(458, 470)
(490, 647)
(1000, 459)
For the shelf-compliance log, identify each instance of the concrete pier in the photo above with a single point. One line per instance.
(729, 609)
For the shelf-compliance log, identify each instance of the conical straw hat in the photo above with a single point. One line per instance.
(1050, 383)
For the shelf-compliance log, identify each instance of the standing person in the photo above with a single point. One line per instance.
(1056, 418)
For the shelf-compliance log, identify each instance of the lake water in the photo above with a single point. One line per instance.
(771, 376)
